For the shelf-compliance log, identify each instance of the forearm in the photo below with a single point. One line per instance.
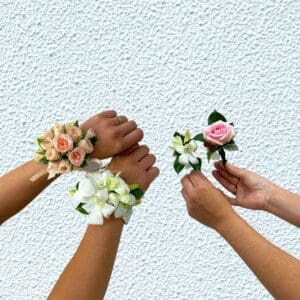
(88, 273)
(284, 204)
(278, 271)
(17, 190)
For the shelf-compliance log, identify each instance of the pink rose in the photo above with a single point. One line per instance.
(86, 145)
(74, 132)
(90, 133)
(64, 167)
(52, 154)
(63, 143)
(52, 167)
(219, 133)
(76, 156)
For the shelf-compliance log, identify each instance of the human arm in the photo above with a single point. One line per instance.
(256, 192)
(278, 271)
(114, 134)
(88, 273)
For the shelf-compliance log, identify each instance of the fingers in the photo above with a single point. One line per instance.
(152, 173)
(116, 121)
(226, 184)
(148, 161)
(108, 114)
(184, 195)
(133, 138)
(231, 200)
(127, 127)
(228, 176)
(141, 152)
(187, 183)
(198, 178)
(231, 169)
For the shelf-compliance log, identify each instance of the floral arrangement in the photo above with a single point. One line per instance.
(101, 194)
(217, 137)
(65, 147)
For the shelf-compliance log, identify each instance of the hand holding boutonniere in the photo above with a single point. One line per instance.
(185, 148)
(217, 137)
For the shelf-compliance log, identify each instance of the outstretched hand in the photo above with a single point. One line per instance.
(250, 190)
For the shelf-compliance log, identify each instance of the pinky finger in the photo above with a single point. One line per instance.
(153, 172)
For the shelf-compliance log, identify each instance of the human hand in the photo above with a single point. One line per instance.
(114, 133)
(204, 202)
(136, 166)
(250, 190)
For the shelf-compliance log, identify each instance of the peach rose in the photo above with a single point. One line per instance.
(46, 145)
(86, 145)
(64, 167)
(63, 143)
(52, 154)
(74, 132)
(48, 135)
(90, 133)
(76, 156)
(58, 128)
(52, 167)
(219, 133)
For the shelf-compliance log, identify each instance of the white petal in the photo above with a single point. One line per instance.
(79, 197)
(131, 200)
(114, 199)
(107, 210)
(90, 207)
(102, 194)
(95, 217)
(179, 149)
(86, 187)
(192, 159)
(127, 216)
(123, 188)
(184, 159)
(120, 211)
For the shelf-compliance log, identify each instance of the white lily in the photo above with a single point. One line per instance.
(186, 149)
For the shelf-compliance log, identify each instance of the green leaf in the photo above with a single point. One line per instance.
(231, 124)
(84, 163)
(197, 166)
(138, 201)
(77, 186)
(178, 167)
(138, 193)
(40, 139)
(231, 147)
(199, 137)
(41, 151)
(72, 192)
(76, 123)
(215, 116)
(43, 161)
(209, 154)
(133, 186)
(223, 156)
(81, 209)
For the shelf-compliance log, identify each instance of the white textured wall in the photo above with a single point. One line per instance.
(167, 64)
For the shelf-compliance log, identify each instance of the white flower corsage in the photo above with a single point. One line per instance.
(101, 194)
(185, 148)
(63, 148)
(217, 137)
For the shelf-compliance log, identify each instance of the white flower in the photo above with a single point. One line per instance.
(186, 149)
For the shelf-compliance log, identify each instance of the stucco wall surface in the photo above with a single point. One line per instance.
(167, 64)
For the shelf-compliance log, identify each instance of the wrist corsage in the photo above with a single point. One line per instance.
(101, 194)
(217, 137)
(63, 148)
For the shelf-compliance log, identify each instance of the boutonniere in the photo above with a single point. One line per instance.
(184, 150)
(217, 137)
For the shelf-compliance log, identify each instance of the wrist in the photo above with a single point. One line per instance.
(227, 224)
(273, 195)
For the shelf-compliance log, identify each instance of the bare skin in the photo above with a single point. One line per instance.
(88, 273)
(256, 192)
(278, 271)
(114, 134)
